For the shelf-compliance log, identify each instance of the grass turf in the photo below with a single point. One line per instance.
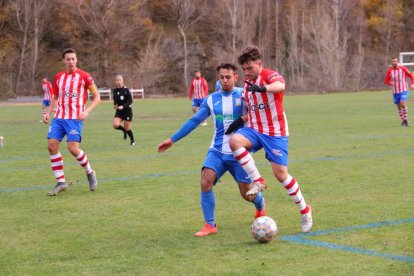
(353, 160)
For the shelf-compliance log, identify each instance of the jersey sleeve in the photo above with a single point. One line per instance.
(55, 88)
(90, 84)
(113, 96)
(273, 76)
(129, 100)
(190, 92)
(409, 74)
(387, 77)
(202, 114)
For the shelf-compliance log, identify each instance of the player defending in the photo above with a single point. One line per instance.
(267, 128)
(396, 77)
(224, 107)
(70, 93)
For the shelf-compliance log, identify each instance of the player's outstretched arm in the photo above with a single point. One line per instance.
(164, 145)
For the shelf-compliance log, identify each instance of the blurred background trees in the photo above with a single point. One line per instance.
(317, 45)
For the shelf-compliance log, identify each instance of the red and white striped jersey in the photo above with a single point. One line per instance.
(72, 91)
(398, 77)
(265, 110)
(47, 90)
(198, 88)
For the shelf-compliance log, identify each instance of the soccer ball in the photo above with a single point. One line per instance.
(264, 229)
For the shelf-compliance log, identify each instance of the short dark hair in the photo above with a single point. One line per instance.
(249, 54)
(394, 57)
(228, 66)
(68, 51)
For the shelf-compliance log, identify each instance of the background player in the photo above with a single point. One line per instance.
(267, 128)
(224, 106)
(47, 94)
(70, 92)
(396, 77)
(123, 105)
(198, 91)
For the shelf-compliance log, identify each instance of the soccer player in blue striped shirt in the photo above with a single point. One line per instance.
(224, 106)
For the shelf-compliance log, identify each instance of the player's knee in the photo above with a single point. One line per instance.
(206, 185)
(281, 175)
(53, 149)
(115, 125)
(235, 142)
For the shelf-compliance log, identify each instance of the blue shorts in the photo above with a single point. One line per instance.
(197, 102)
(221, 163)
(46, 102)
(276, 148)
(61, 127)
(403, 96)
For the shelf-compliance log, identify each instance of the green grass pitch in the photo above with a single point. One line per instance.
(353, 160)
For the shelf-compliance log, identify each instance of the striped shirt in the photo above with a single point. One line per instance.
(47, 90)
(398, 77)
(198, 88)
(265, 110)
(224, 108)
(72, 91)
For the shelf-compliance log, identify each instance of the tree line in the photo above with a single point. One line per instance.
(317, 45)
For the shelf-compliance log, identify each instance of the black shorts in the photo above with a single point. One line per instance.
(125, 114)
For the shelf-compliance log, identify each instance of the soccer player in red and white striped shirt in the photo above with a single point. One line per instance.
(47, 90)
(198, 91)
(266, 128)
(396, 77)
(70, 93)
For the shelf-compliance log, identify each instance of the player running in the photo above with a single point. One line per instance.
(224, 107)
(396, 77)
(267, 129)
(70, 93)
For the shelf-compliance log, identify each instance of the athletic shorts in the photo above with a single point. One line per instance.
(403, 96)
(221, 163)
(276, 148)
(125, 114)
(46, 102)
(197, 102)
(61, 127)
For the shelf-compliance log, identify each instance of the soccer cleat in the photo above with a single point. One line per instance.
(260, 213)
(206, 230)
(404, 123)
(204, 123)
(92, 181)
(258, 186)
(125, 135)
(60, 187)
(133, 143)
(307, 221)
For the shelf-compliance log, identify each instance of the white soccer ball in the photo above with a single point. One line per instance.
(264, 229)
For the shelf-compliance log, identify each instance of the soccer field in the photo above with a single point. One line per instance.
(353, 160)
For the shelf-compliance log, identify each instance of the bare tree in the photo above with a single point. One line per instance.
(38, 27)
(187, 15)
(23, 16)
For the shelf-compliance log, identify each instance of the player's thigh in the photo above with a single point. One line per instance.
(234, 168)
(57, 130)
(214, 162)
(116, 122)
(276, 149)
(74, 130)
(247, 138)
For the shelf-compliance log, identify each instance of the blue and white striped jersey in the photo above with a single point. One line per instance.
(224, 108)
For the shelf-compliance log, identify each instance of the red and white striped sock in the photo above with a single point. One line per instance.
(246, 161)
(293, 189)
(404, 112)
(83, 161)
(56, 162)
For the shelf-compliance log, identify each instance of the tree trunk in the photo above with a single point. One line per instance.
(185, 56)
(35, 47)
